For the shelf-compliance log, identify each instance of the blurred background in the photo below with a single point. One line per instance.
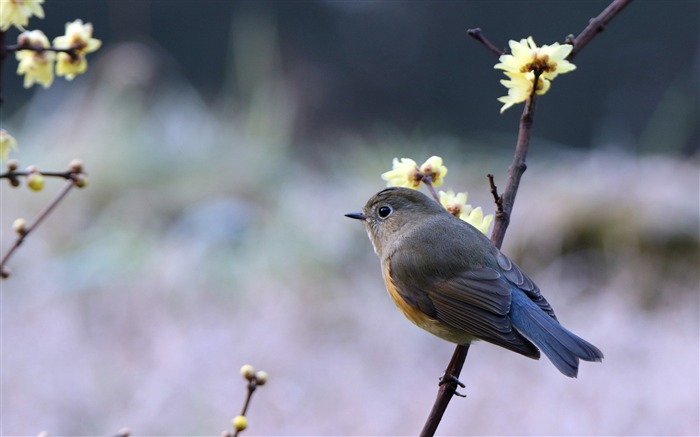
(225, 141)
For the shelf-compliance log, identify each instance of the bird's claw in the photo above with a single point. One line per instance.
(454, 382)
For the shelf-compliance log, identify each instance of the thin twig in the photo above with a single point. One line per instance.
(429, 183)
(40, 49)
(507, 199)
(597, 25)
(56, 174)
(497, 199)
(478, 35)
(22, 235)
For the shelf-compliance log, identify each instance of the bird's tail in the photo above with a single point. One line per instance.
(562, 347)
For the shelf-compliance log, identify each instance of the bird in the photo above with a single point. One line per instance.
(448, 278)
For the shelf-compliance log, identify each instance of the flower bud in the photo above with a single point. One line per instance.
(23, 38)
(76, 166)
(12, 165)
(80, 180)
(20, 226)
(35, 181)
(248, 372)
(240, 423)
(261, 377)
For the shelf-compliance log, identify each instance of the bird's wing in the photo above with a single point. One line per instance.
(476, 302)
(517, 277)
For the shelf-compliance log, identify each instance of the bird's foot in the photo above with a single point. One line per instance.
(453, 382)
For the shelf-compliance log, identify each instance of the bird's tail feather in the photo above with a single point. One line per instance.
(562, 347)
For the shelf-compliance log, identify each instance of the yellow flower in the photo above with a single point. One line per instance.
(404, 173)
(17, 12)
(7, 143)
(520, 88)
(456, 204)
(525, 60)
(476, 218)
(525, 56)
(79, 38)
(36, 66)
(434, 169)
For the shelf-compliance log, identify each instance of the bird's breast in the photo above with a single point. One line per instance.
(419, 318)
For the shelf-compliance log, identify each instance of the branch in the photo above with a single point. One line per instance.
(595, 26)
(505, 201)
(40, 49)
(22, 234)
(515, 172)
(478, 35)
(75, 177)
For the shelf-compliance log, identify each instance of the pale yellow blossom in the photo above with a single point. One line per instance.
(434, 169)
(7, 143)
(520, 88)
(456, 204)
(525, 61)
(476, 218)
(17, 12)
(404, 173)
(78, 37)
(36, 66)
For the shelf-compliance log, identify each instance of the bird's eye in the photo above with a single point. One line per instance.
(384, 211)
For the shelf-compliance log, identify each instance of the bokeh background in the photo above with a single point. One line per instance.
(224, 143)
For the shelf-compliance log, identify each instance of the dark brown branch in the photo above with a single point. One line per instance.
(40, 49)
(597, 25)
(55, 174)
(478, 35)
(515, 172)
(446, 391)
(507, 199)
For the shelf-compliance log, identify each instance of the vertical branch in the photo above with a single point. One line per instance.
(505, 201)
(448, 386)
(515, 172)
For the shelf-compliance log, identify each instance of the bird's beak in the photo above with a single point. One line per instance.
(356, 215)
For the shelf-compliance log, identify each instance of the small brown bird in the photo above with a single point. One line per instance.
(449, 279)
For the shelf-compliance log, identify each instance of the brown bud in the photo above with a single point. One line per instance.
(12, 164)
(20, 226)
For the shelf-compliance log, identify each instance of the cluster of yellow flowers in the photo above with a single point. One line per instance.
(407, 173)
(37, 65)
(35, 54)
(528, 61)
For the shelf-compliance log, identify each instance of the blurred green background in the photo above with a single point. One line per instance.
(224, 143)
